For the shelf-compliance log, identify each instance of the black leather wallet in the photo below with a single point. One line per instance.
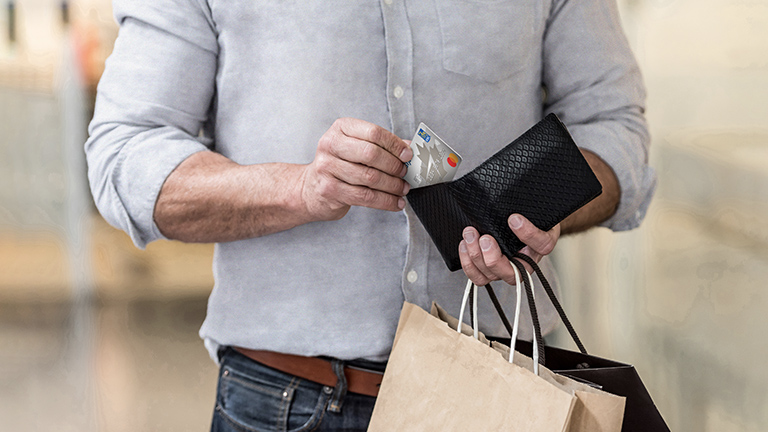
(541, 175)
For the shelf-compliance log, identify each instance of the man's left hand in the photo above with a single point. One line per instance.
(481, 257)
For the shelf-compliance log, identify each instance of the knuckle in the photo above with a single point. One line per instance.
(542, 244)
(339, 123)
(369, 154)
(548, 247)
(396, 167)
(374, 133)
(367, 195)
(492, 260)
(474, 274)
(476, 255)
(323, 164)
(371, 176)
(326, 188)
(526, 232)
(325, 142)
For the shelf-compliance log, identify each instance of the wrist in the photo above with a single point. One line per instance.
(275, 194)
(601, 208)
(296, 199)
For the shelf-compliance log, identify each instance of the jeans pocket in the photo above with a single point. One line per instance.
(249, 403)
(488, 39)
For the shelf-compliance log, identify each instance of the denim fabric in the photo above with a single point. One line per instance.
(253, 397)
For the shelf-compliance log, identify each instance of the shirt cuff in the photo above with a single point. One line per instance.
(142, 168)
(637, 180)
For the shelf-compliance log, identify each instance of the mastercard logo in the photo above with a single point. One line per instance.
(453, 160)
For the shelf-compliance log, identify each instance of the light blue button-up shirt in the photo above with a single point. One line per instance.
(261, 81)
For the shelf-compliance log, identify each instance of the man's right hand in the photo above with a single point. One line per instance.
(356, 163)
(209, 198)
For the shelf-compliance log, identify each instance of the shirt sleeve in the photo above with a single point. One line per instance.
(594, 85)
(152, 101)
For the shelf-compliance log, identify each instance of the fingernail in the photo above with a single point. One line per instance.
(401, 203)
(515, 221)
(404, 171)
(485, 243)
(406, 188)
(469, 236)
(462, 247)
(406, 154)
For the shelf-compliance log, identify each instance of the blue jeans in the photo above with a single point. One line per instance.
(253, 397)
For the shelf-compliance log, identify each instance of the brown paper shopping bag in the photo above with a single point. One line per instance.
(439, 379)
(593, 411)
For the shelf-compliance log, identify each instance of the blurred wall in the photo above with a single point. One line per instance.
(48, 76)
(95, 335)
(683, 297)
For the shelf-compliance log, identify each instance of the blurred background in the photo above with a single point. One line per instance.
(96, 335)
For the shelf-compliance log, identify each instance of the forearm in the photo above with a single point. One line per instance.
(602, 207)
(209, 198)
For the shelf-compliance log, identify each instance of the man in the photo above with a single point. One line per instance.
(275, 129)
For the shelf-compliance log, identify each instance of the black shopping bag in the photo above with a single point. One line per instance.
(621, 379)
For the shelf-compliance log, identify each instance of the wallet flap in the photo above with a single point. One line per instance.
(443, 219)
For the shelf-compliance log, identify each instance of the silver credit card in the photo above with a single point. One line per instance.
(433, 160)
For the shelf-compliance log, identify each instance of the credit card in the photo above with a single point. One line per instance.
(433, 160)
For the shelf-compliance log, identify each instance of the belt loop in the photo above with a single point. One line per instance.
(337, 398)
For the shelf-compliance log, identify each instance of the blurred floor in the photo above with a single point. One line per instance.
(121, 366)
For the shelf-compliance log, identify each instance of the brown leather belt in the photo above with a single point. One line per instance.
(315, 369)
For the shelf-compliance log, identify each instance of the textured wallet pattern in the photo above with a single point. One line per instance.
(541, 175)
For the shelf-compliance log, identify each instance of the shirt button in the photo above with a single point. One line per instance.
(412, 276)
(388, 2)
(398, 92)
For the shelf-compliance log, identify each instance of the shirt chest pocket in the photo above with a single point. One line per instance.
(488, 39)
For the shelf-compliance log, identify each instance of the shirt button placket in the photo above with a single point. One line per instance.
(399, 46)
